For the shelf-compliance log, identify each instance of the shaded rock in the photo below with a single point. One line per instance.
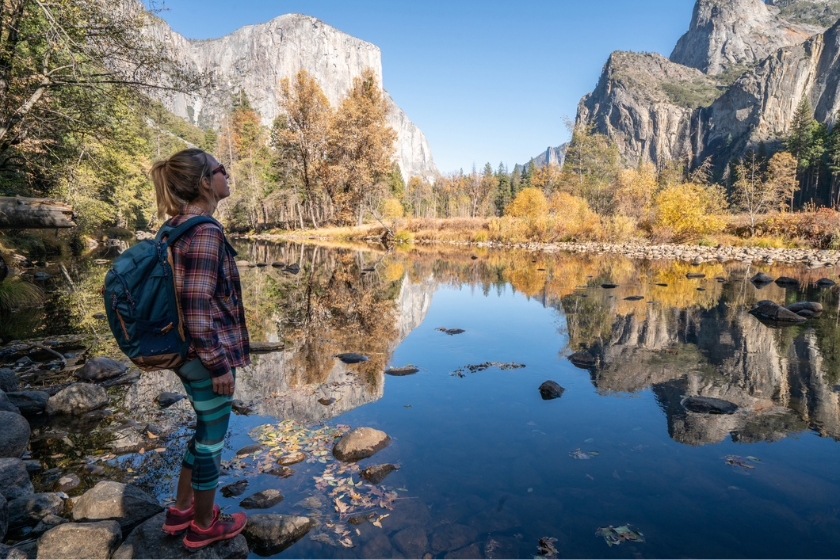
(411, 541)
(775, 312)
(80, 540)
(100, 369)
(292, 458)
(451, 332)
(270, 534)
(786, 281)
(720, 279)
(14, 479)
(14, 437)
(807, 314)
(29, 510)
(695, 275)
(124, 503)
(6, 405)
(77, 399)
(32, 465)
(661, 285)
(351, 358)
(359, 519)
(609, 286)
(47, 523)
(234, 489)
(811, 306)
(248, 449)
(262, 500)
(825, 283)
(66, 483)
(29, 402)
(167, 399)
(148, 541)
(4, 517)
(278, 264)
(400, 371)
(583, 360)
(262, 265)
(551, 390)
(634, 298)
(360, 443)
(452, 537)
(325, 401)
(8, 380)
(20, 552)
(761, 278)
(282, 472)
(708, 405)
(377, 473)
(240, 407)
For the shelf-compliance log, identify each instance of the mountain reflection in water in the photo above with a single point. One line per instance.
(485, 464)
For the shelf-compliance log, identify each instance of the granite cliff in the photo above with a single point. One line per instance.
(255, 58)
(733, 80)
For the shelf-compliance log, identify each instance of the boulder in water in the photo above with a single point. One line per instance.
(167, 399)
(786, 281)
(693, 275)
(761, 279)
(401, 371)
(360, 443)
(708, 405)
(811, 306)
(77, 399)
(124, 503)
(609, 286)
(583, 360)
(377, 473)
(100, 369)
(269, 534)
(774, 312)
(262, 500)
(825, 283)
(551, 390)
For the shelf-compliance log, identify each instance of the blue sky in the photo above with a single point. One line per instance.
(485, 81)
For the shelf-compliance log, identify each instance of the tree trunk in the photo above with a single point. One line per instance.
(34, 213)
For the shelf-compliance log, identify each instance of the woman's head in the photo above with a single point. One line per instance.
(190, 175)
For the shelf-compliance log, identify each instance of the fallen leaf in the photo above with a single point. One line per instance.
(151, 435)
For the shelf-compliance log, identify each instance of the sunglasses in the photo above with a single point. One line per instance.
(221, 169)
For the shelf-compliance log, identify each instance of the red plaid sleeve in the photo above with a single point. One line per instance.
(201, 262)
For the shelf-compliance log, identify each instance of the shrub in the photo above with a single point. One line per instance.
(403, 236)
(15, 292)
(529, 202)
(689, 211)
(480, 237)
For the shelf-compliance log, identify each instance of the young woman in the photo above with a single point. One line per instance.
(188, 184)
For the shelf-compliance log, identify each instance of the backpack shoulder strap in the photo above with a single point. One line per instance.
(173, 233)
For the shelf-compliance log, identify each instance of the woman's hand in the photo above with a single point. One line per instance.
(224, 385)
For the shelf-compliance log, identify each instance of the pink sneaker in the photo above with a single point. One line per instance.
(177, 521)
(224, 526)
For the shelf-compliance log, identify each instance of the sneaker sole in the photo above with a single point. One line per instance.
(193, 547)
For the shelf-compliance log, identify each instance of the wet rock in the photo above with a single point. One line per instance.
(262, 500)
(262, 265)
(325, 401)
(471, 551)
(80, 540)
(29, 403)
(452, 537)
(401, 371)
(761, 279)
(269, 534)
(359, 519)
(4, 517)
(292, 458)
(360, 443)
(451, 332)
(47, 523)
(351, 358)
(708, 405)
(583, 360)
(25, 551)
(29, 510)
(166, 399)
(720, 279)
(148, 541)
(278, 264)
(551, 390)
(234, 489)
(6, 405)
(124, 503)
(282, 472)
(14, 479)
(8, 380)
(634, 298)
(14, 437)
(661, 285)
(411, 541)
(609, 286)
(239, 407)
(693, 275)
(807, 314)
(786, 281)
(248, 449)
(66, 483)
(77, 399)
(825, 283)
(377, 473)
(774, 312)
(811, 306)
(100, 369)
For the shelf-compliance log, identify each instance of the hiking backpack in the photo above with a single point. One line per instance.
(142, 305)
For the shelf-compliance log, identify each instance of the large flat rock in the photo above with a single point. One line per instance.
(80, 540)
(148, 541)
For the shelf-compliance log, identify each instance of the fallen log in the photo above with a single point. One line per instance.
(17, 212)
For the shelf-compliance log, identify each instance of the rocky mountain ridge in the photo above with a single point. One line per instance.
(733, 80)
(255, 58)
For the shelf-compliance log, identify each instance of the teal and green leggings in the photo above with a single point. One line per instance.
(212, 411)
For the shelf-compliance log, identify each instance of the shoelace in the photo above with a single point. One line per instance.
(225, 517)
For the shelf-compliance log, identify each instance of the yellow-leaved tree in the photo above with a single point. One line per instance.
(529, 203)
(689, 210)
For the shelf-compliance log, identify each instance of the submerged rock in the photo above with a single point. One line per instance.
(551, 390)
(377, 473)
(234, 488)
(774, 312)
(248, 449)
(77, 399)
(282, 472)
(14, 479)
(351, 357)
(29, 403)
(167, 399)
(124, 503)
(66, 483)
(451, 332)
(14, 436)
(609, 286)
(80, 540)
(269, 534)
(708, 405)
(148, 541)
(786, 281)
(400, 371)
(583, 360)
(825, 283)
(100, 369)
(360, 443)
(292, 458)
(262, 500)
(634, 298)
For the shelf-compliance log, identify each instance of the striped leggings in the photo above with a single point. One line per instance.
(212, 411)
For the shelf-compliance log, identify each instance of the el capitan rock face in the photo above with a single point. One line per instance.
(257, 57)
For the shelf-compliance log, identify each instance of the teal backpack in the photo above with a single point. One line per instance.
(142, 307)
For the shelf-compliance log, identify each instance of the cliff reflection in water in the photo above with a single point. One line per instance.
(679, 340)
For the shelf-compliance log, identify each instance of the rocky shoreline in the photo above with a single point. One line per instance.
(811, 258)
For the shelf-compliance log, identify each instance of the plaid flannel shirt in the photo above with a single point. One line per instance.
(215, 322)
